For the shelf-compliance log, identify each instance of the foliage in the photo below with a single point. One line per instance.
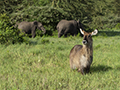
(8, 34)
(117, 26)
(98, 14)
(9, 6)
(49, 16)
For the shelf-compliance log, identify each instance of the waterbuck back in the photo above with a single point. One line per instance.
(81, 56)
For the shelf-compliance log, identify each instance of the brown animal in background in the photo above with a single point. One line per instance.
(30, 27)
(81, 56)
(66, 27)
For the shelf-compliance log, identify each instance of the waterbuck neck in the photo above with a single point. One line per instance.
(88, 50)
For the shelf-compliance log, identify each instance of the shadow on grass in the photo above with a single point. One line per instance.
(37, 41)
(109, 33)
(118, 68)
(100, 68)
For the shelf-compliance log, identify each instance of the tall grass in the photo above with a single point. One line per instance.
(43, 64)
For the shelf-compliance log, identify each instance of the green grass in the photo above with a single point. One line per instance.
(43, 64)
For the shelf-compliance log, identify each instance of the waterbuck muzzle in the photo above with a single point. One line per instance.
(85, 41)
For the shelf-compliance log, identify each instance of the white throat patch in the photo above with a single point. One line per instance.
(83, 61)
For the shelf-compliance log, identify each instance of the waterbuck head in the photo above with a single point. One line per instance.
(87, 38)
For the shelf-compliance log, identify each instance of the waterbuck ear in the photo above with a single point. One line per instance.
(94, 32)
(81, 31)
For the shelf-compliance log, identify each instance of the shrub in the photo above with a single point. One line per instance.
(8, 34)
(47, 15)
(117, 26)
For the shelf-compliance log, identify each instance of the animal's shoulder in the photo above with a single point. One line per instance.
(76, 48)
(63, 21)
(25, 23)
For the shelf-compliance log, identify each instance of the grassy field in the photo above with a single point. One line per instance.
(43, 64)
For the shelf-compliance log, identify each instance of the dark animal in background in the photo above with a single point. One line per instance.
(30, 27)
(81, 56)
(71, 27)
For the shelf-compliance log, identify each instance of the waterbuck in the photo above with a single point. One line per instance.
(81, 56)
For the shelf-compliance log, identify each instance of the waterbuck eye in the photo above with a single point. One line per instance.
(89, 35)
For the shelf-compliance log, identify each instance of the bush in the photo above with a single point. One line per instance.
(8, 34)
(98, 14)
(47, 15)
(117, 26)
